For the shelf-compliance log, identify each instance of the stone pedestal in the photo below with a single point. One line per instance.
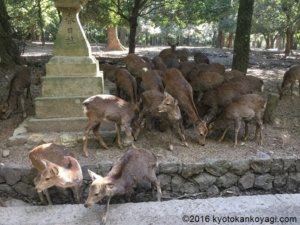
(72, 75)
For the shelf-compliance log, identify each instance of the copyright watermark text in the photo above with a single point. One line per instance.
(202, 219)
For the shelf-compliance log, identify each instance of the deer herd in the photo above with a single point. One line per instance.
(166, 92)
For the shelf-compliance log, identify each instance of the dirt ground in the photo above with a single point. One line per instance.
(281, 139)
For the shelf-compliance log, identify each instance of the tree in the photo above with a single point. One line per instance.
(8, 49)
(242, 39)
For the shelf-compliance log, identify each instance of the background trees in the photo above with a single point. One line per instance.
(190, 22)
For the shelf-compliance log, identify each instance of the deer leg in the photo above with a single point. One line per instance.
(85, 136)
(292, 88)
(46, 193)
(98, 136)
(118, 133)
(180, 130)
(236, 131)
(154, 182)
(104, 218)
(245, 138)
(22, 100)
(258, 131)
(223, 135)
(76, 193)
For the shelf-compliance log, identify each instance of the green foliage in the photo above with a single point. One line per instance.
(24, 18)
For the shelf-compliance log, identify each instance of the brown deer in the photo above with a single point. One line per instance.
(16, 97)
(180, 89)
(245, 108)
(111, 108)
(289, 79)
(135, 166)
(56, 167)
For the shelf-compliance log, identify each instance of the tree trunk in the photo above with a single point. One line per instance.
(133, 24)
(289, 39)
(220, 43)
(229, 40)
(41, 22)
(8, 49)
(113, 42)
(242, 38)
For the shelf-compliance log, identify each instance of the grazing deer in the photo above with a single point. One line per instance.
(135, 166)
(289, 79)
(56, 167)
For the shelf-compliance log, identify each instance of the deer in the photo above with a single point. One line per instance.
(289, 79)
(16, 97)
(179, 88)
(245, 108)
(135, 166)
(56, 166)
(99, 108)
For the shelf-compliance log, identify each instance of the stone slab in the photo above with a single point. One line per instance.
(53, 107)
(72, 124)
(72, 66)
(72, 86)
(212, 211)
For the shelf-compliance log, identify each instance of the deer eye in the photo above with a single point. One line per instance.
(96, 194)
(47, 178)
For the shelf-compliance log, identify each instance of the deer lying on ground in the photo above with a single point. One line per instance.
(16, 97)
(179, 88)
(56, 167)
(289, 79)
(135, 166)
(111, 108)
(245, 108)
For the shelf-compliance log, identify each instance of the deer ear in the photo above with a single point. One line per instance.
(54, 170)
(94, 176)
(45, 162)
(175, 101)
(166, 94)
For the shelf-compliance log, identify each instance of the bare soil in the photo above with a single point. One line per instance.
(281, 139)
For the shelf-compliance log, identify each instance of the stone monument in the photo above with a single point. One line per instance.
(72, 75)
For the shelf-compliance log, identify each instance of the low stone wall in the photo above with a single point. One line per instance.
(203, 179)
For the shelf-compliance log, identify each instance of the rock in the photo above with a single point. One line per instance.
(280, 180)
(4, 188)
(227, 180)
(264, 182)
(189, 188)
(289, 164)
(17, 140)
(213, 191)
(298, 165)
(261, 165)
(191, 169)
(247, 181)
(35, 139)
(177, 184)
(25, 189)
(5, 153)
(293, 182)
(21, 130)
(218, 167)
(205, 180)
(165, 182)
(239, 167)
(168, 167)
(68, 139)
(277, 167)
(11, 202)
(11, 175)
(232, 191)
